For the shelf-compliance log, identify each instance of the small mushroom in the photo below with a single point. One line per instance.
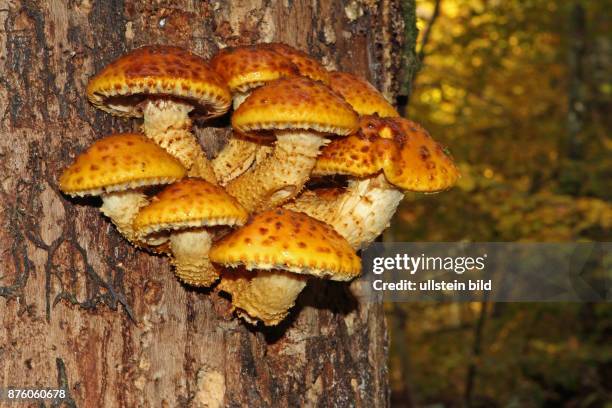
(361, 95)
(164, 84)
(301, 113)
(387, 157)
(249, 67)
(277, 250)
(245, 69)
(307, 66)
(116, 168)
(188, 212)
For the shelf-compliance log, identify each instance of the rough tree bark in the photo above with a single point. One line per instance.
(79, 307)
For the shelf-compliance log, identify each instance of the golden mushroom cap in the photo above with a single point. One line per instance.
(295, 103)
(413, 160)
(361, 95)
(291, 241)
(158, 70)
(190, 202)
(307, 66)
(120, 162)
(408, 156)
(355, 155)
(248, 67)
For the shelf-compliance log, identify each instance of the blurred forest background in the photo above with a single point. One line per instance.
(520, 91)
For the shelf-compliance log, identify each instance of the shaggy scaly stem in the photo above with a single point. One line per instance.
(121, 207)
(190, 257)
(360, 214)
(238, 154)
(263, 295)
(168, 124)
(280, 176)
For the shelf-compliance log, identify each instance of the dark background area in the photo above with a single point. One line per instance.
(520, 92)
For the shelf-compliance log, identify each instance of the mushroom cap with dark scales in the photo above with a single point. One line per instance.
(295, 103)
(158, 70)
(355, 155)
(307, 66)
(361, 95)
(291, 241)
(408, 156)
(190, 202)
(248, 67)
(120, 162)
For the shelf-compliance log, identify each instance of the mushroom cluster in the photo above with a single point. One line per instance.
(248, 220)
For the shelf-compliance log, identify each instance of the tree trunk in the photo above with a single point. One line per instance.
(81, 308)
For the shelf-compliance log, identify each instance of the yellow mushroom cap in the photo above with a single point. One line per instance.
(291, 241)
(248, 67)
(307, 66)
(190, 202)
(120, 162)
(295, 103)
(413, 160)
(409, 157)
(158, 70)
(361, 95)
(355, 155)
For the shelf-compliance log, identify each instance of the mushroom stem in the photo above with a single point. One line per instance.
(263, 295)
(168, 124)
(280, 176)
(239, 97)
(360, 214)
(235, 158)
(121, 207)
(238, 154)
(190, 257)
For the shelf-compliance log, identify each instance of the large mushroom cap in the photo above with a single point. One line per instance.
(408, 156)
(120, 162)
(291, 241)
(158, 70)
(295, 103)
(307, 66)
(248, 67)
(190, 202)
(361, 95)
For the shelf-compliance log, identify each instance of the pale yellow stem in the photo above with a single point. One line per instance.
(190, 257)
(238, 154)
(280, 176)
(235, 158)
(266, 296)
(360, 214)
(122, 207)
(168, 124)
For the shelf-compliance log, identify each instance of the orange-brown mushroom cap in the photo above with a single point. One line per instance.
(120, 162)
(408, 156)
(361, 95)
(158, 70)
(190, 202)
(295, 103)
(288, 240)
(355, 155)
(248, 67)
(307, 66)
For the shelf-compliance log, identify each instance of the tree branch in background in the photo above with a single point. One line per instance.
(427, 32)
(576, 108)
(476, 352)
(410, 62)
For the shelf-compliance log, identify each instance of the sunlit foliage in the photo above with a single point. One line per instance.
(495, 87)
